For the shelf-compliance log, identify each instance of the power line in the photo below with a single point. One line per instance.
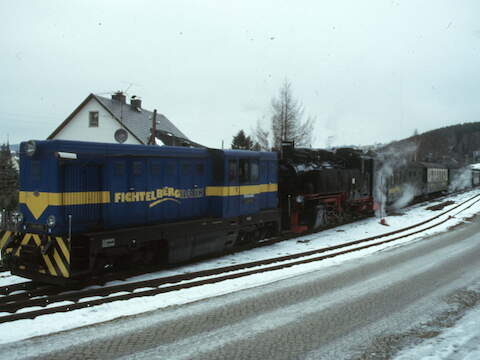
(10, 114)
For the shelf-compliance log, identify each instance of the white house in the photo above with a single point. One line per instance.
(113, 120)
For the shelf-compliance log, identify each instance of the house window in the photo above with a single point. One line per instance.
(93, 119)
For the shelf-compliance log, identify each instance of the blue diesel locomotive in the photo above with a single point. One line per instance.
(85, 207)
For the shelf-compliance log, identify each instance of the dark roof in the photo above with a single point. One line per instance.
(138, 122)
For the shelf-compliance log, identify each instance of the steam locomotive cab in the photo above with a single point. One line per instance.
(320, 188)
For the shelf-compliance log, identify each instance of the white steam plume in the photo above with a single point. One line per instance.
(387, 161)
(408, 193)
(461, 180)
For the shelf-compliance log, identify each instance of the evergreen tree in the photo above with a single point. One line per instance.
(242, 142)
(8, 180)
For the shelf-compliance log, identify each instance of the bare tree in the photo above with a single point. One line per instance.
(261, 137)
(287, 114)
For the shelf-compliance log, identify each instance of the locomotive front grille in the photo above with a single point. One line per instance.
(44, 254)
(30, 255)
(40, 228)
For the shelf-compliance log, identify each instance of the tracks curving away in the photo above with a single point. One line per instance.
(17, 305)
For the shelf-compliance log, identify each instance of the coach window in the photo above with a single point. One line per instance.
(244, 171)
(232, 170)
(254, 175)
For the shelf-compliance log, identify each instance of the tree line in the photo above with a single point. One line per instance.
(286, 124)
(8, 180)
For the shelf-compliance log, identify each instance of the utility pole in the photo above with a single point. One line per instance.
(154, 128)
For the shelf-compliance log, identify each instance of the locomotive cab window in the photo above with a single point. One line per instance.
(232, 170)
(244, 173)
(254, 171)
(36, 170)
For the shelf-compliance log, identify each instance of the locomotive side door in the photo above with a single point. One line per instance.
(249, 185)
(82, 185)
(231, 195)
(137, 208)
(186, 184)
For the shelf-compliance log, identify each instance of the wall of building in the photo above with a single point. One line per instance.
(78, 127)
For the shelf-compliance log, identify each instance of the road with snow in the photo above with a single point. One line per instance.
(366, 308)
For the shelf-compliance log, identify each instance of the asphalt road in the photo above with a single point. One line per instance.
(330, 314)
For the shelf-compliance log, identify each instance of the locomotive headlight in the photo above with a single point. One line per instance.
(30, 147)
(299, 199)
(17, 217)
(51, 221)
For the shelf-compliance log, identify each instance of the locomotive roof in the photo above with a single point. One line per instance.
(250, 154)
(430, 165)
(96, 148)
(110, 149)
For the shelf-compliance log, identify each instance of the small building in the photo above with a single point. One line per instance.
(113, 120)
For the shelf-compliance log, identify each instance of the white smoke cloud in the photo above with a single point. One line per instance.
(461, 180)
(388, 161)
(408, 193)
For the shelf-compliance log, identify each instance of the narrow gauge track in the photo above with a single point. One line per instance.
(31, 289)
(15, 305)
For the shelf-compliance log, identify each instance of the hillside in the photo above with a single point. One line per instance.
(458, 144)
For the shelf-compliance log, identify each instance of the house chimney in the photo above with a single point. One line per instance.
(136, 102)
(119, 96)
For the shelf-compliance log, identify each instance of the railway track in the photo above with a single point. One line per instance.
(16, 306)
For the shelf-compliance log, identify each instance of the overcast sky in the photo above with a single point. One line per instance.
(368, 71)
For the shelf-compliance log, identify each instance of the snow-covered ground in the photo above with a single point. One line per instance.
(46, 324)
(461, 341)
